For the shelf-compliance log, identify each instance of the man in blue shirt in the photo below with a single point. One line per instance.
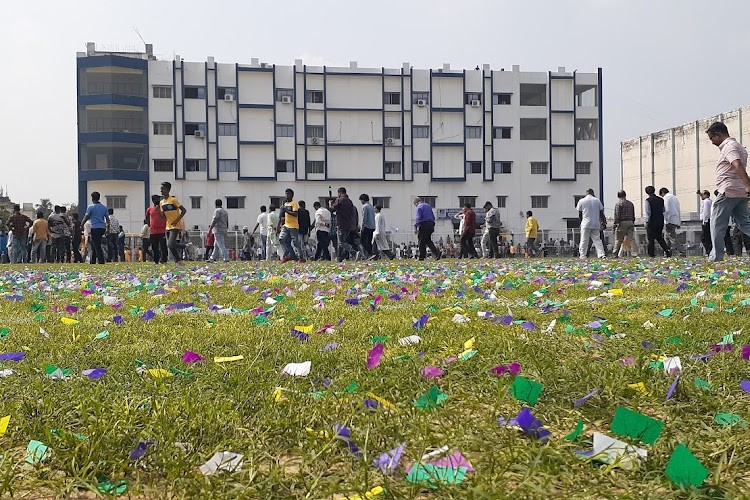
(424, 226)
(99, 217)
(368, 223)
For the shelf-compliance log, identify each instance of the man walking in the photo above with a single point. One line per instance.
(346, 222)
(705, 214)
(18, 225)
(322, 232)
(624, 224)
(157, 228)
(99, 217)
(590, 210)
(493, 223)
(40, 228)
(468, 230)
(146, 253)
(379, 238)
(289, 226)
(220, 227)
(173, 211)
(671, 217)
(733, 185)
(57, 230)
(272, 229)
(532, 229)
(76, 239)
(303, 217)
(424, 226)
(654, 208)
(262, 224)
(368, 223)
(68, 231)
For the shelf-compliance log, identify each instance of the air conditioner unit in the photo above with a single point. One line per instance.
(389, 141)
(199, 134)
(286, 99)
(228, 97)
(196, 228)
(421, 103)
(315, 140)
(476, 103)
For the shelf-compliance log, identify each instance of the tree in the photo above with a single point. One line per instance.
(44, 206)
(72, 208)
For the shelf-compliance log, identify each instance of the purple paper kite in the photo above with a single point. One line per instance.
(12, 356)
(588, 396)
(191, 357)
(373, 357)
(95, 373)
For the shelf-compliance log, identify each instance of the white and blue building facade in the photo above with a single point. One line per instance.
(246, 132)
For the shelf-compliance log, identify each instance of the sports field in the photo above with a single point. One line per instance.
(450, 379)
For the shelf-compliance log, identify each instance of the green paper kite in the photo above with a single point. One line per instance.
(684, 469)
(431, 399)
(526, 390)
(729, 419)
(576, 432)
(108, 487)
(632, 424)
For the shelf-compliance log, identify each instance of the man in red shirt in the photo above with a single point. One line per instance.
(467, 237)
(18, 224)
(157, 225)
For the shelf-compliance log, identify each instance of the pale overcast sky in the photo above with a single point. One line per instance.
(665, 62)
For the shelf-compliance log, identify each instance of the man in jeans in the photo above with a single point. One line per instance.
(733, 185)
(18, 224)
(467, 231)
(624, 224)
(322, 232)
(424, 226)
(346, 222)
(368, 223)
(220, 227)
(289, 227)
(173, 211)
(493, 223)
(99, 217)
(41, 237)
(157, 228)
(532, 231)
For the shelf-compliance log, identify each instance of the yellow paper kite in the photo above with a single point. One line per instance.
(228, 359)
(69, 321)
(159, 373)
(4, 424)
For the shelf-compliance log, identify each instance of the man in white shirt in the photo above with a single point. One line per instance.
(263, 225)
(322, 226)
(705, 214)
(379, 240)
(590, 209)
(733, 185)
(146, 242)
(672, 219)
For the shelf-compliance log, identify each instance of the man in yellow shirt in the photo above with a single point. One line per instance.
(289, 226)
(173, 211)
(42, 236)
(532, 228)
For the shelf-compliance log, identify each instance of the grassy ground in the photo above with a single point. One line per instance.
(235, 406)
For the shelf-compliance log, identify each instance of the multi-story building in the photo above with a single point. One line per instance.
(243, 133)
(681, 159)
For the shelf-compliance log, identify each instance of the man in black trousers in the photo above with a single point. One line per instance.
(655, 222)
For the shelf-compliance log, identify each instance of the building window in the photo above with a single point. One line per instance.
(420, 96)
(586, 95)
(430, 200)
(195, 202)
(470, 97)
(312, 131)
(223, 92)
(578, 198)
(393, 167)
(285, 166)
(502, 201)
(194, 92)
(392, 98)
(314, 96)
(383, 201)
(163, 165)
(583, 167)
(533, 129)
(533, 94)
(195, 165)
(314, 167)
(503, 167)
(473, 167)
(235, 202)
(284, 130)
(421, 132)
(420, 167)
(540, 202)
(227, 129)
(116, 202)
(503, 99)
(162, 92)
(539, 167)
(162, 128)
(192, 128)
(473, 132)
(501, 132)
(393, 133)
(587, 130)
(463, 200)
(277, 201)
(227, 165)
(281, 93)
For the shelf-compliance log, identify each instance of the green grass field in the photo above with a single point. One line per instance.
(614, 321)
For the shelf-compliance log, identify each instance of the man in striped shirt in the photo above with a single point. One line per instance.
(624, 224)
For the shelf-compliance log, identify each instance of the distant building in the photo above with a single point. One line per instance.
(245, 132)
